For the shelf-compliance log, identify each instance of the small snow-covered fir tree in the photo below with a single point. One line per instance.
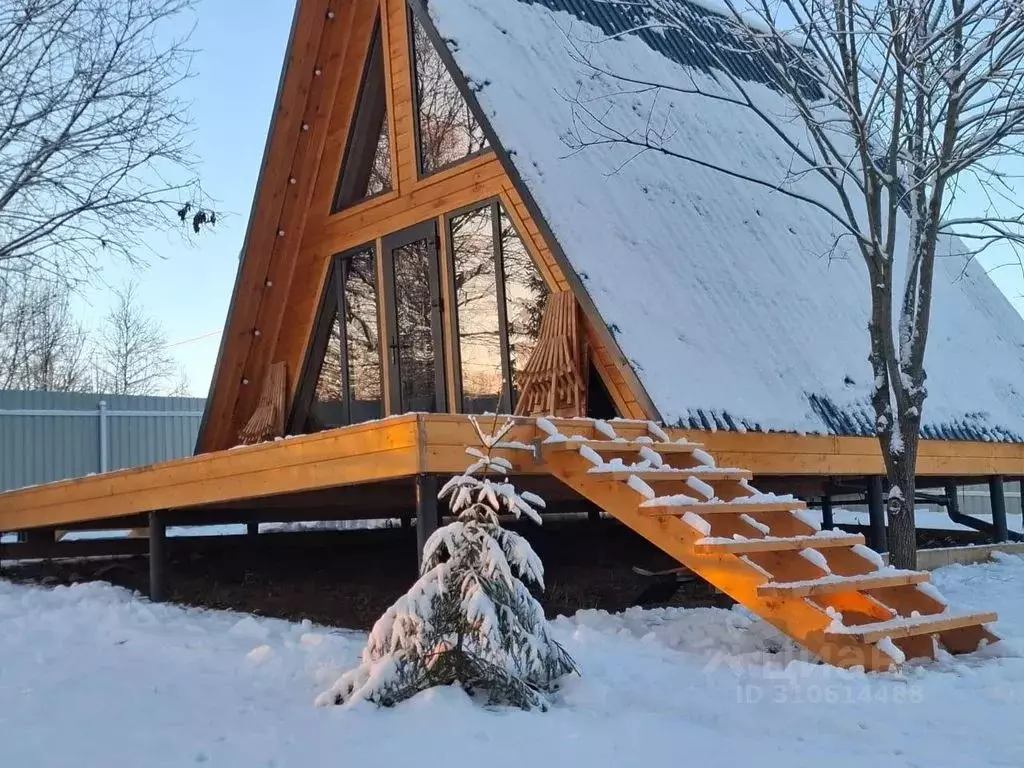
(470, 619)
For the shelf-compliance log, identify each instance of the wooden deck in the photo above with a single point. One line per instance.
(357, 472)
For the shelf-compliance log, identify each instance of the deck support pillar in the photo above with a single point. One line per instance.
(157, 557)
(252, 530)
(828, 522)
(427, 516)
(876, 514)
(39, 536)
(998, 498)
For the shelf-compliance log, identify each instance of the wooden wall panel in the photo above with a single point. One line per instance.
(297, 78)
(327, 71)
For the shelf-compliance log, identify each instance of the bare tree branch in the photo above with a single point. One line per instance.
(893, 104)
(94, 141)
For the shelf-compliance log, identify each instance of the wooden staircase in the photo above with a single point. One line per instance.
(825, 589)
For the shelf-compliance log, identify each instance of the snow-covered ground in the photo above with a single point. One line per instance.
(926, 520)
(95, 676)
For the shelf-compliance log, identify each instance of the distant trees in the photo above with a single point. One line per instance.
(42, 345)
(131, 352)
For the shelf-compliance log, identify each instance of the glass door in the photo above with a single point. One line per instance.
(413, 313)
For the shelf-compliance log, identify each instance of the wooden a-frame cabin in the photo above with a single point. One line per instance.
(442, 227)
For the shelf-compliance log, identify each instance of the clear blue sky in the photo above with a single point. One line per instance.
(240, 48)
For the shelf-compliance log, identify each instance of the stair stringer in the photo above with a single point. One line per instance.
(797, 617)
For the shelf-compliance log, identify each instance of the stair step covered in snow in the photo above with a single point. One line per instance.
(674, 506)
(711, 545)
(909, 626)
(669, 474)
(832, 584)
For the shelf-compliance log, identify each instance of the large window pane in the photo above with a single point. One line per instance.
(415, 333)
(477, 318)
(448, 131)
(327, 409)
(364, 380)
(349, 380)
(525, 296)
(366, 168)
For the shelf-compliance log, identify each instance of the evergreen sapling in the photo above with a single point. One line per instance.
(470, 619)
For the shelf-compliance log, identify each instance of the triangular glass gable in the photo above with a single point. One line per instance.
(366, 167)
(447, 130)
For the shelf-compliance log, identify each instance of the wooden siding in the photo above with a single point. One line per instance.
(360, 454)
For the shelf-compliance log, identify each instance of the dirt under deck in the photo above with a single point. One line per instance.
(348, 578)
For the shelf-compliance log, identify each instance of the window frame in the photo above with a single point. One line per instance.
(339, 200)
(496, 204)
(424, 231)
(332, 301)
(411, 22)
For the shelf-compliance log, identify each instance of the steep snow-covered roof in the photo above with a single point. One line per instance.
(737, 305)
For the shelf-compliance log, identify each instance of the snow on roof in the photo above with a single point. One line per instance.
(734, 303)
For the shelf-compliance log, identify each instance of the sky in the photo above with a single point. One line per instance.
(240, 47)
(187, 285)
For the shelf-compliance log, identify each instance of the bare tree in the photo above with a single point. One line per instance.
(42, 346)
(895, 105)
(93, 135)
(132, 357)
(182, 386)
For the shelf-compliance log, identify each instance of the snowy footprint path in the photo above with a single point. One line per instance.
(92, 676)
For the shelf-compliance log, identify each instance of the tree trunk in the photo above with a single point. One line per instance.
(900, 469)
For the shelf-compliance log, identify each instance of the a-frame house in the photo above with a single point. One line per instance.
(439, 231)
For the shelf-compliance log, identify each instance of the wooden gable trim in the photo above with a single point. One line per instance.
(310, 78)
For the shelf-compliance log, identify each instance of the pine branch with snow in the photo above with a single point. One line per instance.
(470, 619)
